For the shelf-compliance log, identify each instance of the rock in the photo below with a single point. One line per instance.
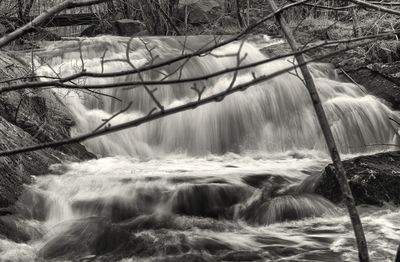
(379, 83)
(17, 170)
(99, 29)
(197, 11)
(227, 21)
(30, 117)
(121, 27)
(242, 256)
(86, 237)
(387, 51)
(41, 34)
(374, 180)
(143, 33)
(17, 231)
(265, 210)
(207, 200)
(186, 257)
(129, 27)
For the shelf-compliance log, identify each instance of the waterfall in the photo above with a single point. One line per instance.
(274, 116)
(227, 181)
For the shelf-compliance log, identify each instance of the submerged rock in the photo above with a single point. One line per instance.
(86, 237)
(374, 180)
(207, 200)
(264, 211)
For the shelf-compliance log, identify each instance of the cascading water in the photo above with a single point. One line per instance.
(274, 116)
(210, 184)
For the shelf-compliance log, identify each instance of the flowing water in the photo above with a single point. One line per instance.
(222, 182)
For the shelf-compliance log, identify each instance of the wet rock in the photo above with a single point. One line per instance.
(265, 180)
(187, 257)
(86, 237)
(27, 118)
(119, 208)
(265, 210)
(10, 229)
(382, 81)
(116, 210)
(211, 245)
(374, 180)
(242, 256)
(208, 200)
(146, 222)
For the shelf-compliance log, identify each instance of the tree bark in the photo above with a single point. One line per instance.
(152, 18)
(356, 24)
(330, 141)
(354, 18)
(239, 16)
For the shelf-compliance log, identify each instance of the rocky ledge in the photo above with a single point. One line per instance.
(29, 117)
(373, 179)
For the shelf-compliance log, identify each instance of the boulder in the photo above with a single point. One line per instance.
(228, 21)
(129, 27)
(121, 27)
(379, 83)
(198, 11)
(30, 117)
(373, 179)
(90, 236)
(100, 29)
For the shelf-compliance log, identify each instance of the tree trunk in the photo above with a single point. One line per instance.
(330, 141)
(356, 25)
(239, 16)
(152, 18)
(111, 11)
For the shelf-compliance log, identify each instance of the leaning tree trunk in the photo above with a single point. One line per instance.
(330, 141)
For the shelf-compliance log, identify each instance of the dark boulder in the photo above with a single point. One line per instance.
(129, 27)
(381, 80)
(207, 200)
(373, 179)
(242, 256)
(30, 117)
(90, 236)
(18, 231)
(198, 12)
(121, 27)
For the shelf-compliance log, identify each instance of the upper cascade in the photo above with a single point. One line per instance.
(274, 116)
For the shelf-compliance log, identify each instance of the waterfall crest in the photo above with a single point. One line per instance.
(273, 117)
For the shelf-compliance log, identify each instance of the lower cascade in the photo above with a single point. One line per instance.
(227, 181)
